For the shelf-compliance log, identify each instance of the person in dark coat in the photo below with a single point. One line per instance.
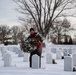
(37, 49)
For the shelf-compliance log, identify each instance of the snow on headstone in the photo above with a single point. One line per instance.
(5, 48)
(74, 50)
(0, 48)
(20, 53)
(26, 57)
(16, 50)
(3, 52)
(65, 52)
(53, 50)
(7, 60)
(11, 48)
(68, 63)
(35, 61)
(70, 51)
(58, 54)
(49, 58)
(74, 59)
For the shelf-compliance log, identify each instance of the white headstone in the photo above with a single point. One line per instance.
(7, 60)
(68, 63)
(26, 57)
(35, 61)
(3, 53)
(49, 58)
(20, 53)
(10, 48)
(58, 54)
(0, 48)
(16, 50)
(70, 51)
(74, 50)
(74, 59)
(43, 60)
(65, 52)
(53, 50)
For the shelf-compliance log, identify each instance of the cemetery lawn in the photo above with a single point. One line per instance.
(22, 68)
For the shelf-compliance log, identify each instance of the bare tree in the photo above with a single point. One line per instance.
(44, 12)
(14, 30)
(61, 27)
(66, 25)
(18, 33)
(4, 32)
(22, 33)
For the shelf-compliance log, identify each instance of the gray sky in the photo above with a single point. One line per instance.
(8, 14)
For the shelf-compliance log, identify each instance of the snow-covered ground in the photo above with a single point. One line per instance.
(22, 68)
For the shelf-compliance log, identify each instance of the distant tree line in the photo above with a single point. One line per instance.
(19, 33)
(15, 34)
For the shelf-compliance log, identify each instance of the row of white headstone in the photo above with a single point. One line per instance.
(66, 49)
(46, 57)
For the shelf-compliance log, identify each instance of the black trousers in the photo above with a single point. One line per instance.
(38, 52)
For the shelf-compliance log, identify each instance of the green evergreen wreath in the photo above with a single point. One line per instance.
(28, 46)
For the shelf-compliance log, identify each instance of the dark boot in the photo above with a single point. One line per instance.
(30, 61)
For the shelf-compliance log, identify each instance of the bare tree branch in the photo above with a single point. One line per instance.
(44, 12)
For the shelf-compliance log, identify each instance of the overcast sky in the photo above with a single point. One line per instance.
(9, 16)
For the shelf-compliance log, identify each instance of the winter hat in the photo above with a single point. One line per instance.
(32, 29)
